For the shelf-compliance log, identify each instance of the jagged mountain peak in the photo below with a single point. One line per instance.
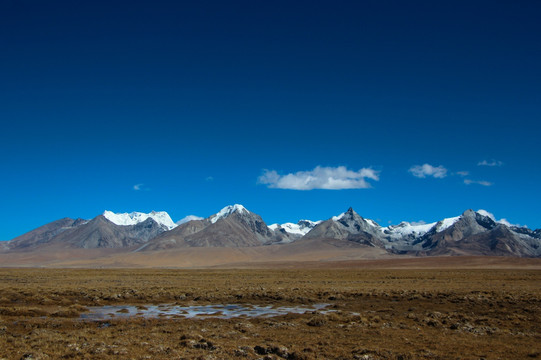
(350, 213)
(348, 226)
(351, 216)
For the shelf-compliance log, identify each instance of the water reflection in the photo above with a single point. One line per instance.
(169, 311)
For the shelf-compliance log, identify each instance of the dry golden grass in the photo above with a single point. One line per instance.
(379, 314)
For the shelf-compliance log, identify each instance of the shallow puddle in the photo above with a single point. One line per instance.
(169, 311)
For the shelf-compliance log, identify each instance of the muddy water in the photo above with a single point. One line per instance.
(169, 311)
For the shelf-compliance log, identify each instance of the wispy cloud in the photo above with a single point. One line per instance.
(422, 171)
(501, 221)
(478, 182)
(209, 179)
(328, 178)
(188, 218)
(490, 163)
(138, 187)
(463, 173)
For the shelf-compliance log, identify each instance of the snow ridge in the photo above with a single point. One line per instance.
(133, 218)
(301, 228)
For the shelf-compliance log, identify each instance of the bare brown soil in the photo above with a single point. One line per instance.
(380, 314)
(190, 257)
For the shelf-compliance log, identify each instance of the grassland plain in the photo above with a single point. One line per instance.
(378, 314)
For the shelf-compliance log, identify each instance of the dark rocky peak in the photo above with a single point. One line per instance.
(485, 221)
(349, 217)
(253, 221)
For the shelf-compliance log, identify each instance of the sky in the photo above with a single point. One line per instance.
(405, 111)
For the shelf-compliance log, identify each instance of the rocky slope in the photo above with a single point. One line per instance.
(44, 234)
(102, 233)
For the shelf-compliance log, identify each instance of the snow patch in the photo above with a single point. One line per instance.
(372, 223)
(133, 218)
(301, 228)
(338, 217)
(407, 229)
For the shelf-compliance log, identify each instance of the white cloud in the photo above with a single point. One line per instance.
(422, 171)
(328, 178)
(478, 182)
(209, 178)
(507, 223)
(490, 163)
(486, 213)
(138, 187)
(463, 173)
(491, 215)
(188, 218)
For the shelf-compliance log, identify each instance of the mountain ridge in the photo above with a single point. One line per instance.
(473, 232)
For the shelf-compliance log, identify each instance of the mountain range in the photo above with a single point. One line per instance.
(471, 233)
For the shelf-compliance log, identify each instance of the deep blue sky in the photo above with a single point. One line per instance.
(195, 100)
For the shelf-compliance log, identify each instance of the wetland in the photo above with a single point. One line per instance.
(301, 314)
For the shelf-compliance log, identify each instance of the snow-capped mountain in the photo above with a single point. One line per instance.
(412, 231)
(233, 226)
(134, 218)
(477, 233)
(472, 232)
(228, 210)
